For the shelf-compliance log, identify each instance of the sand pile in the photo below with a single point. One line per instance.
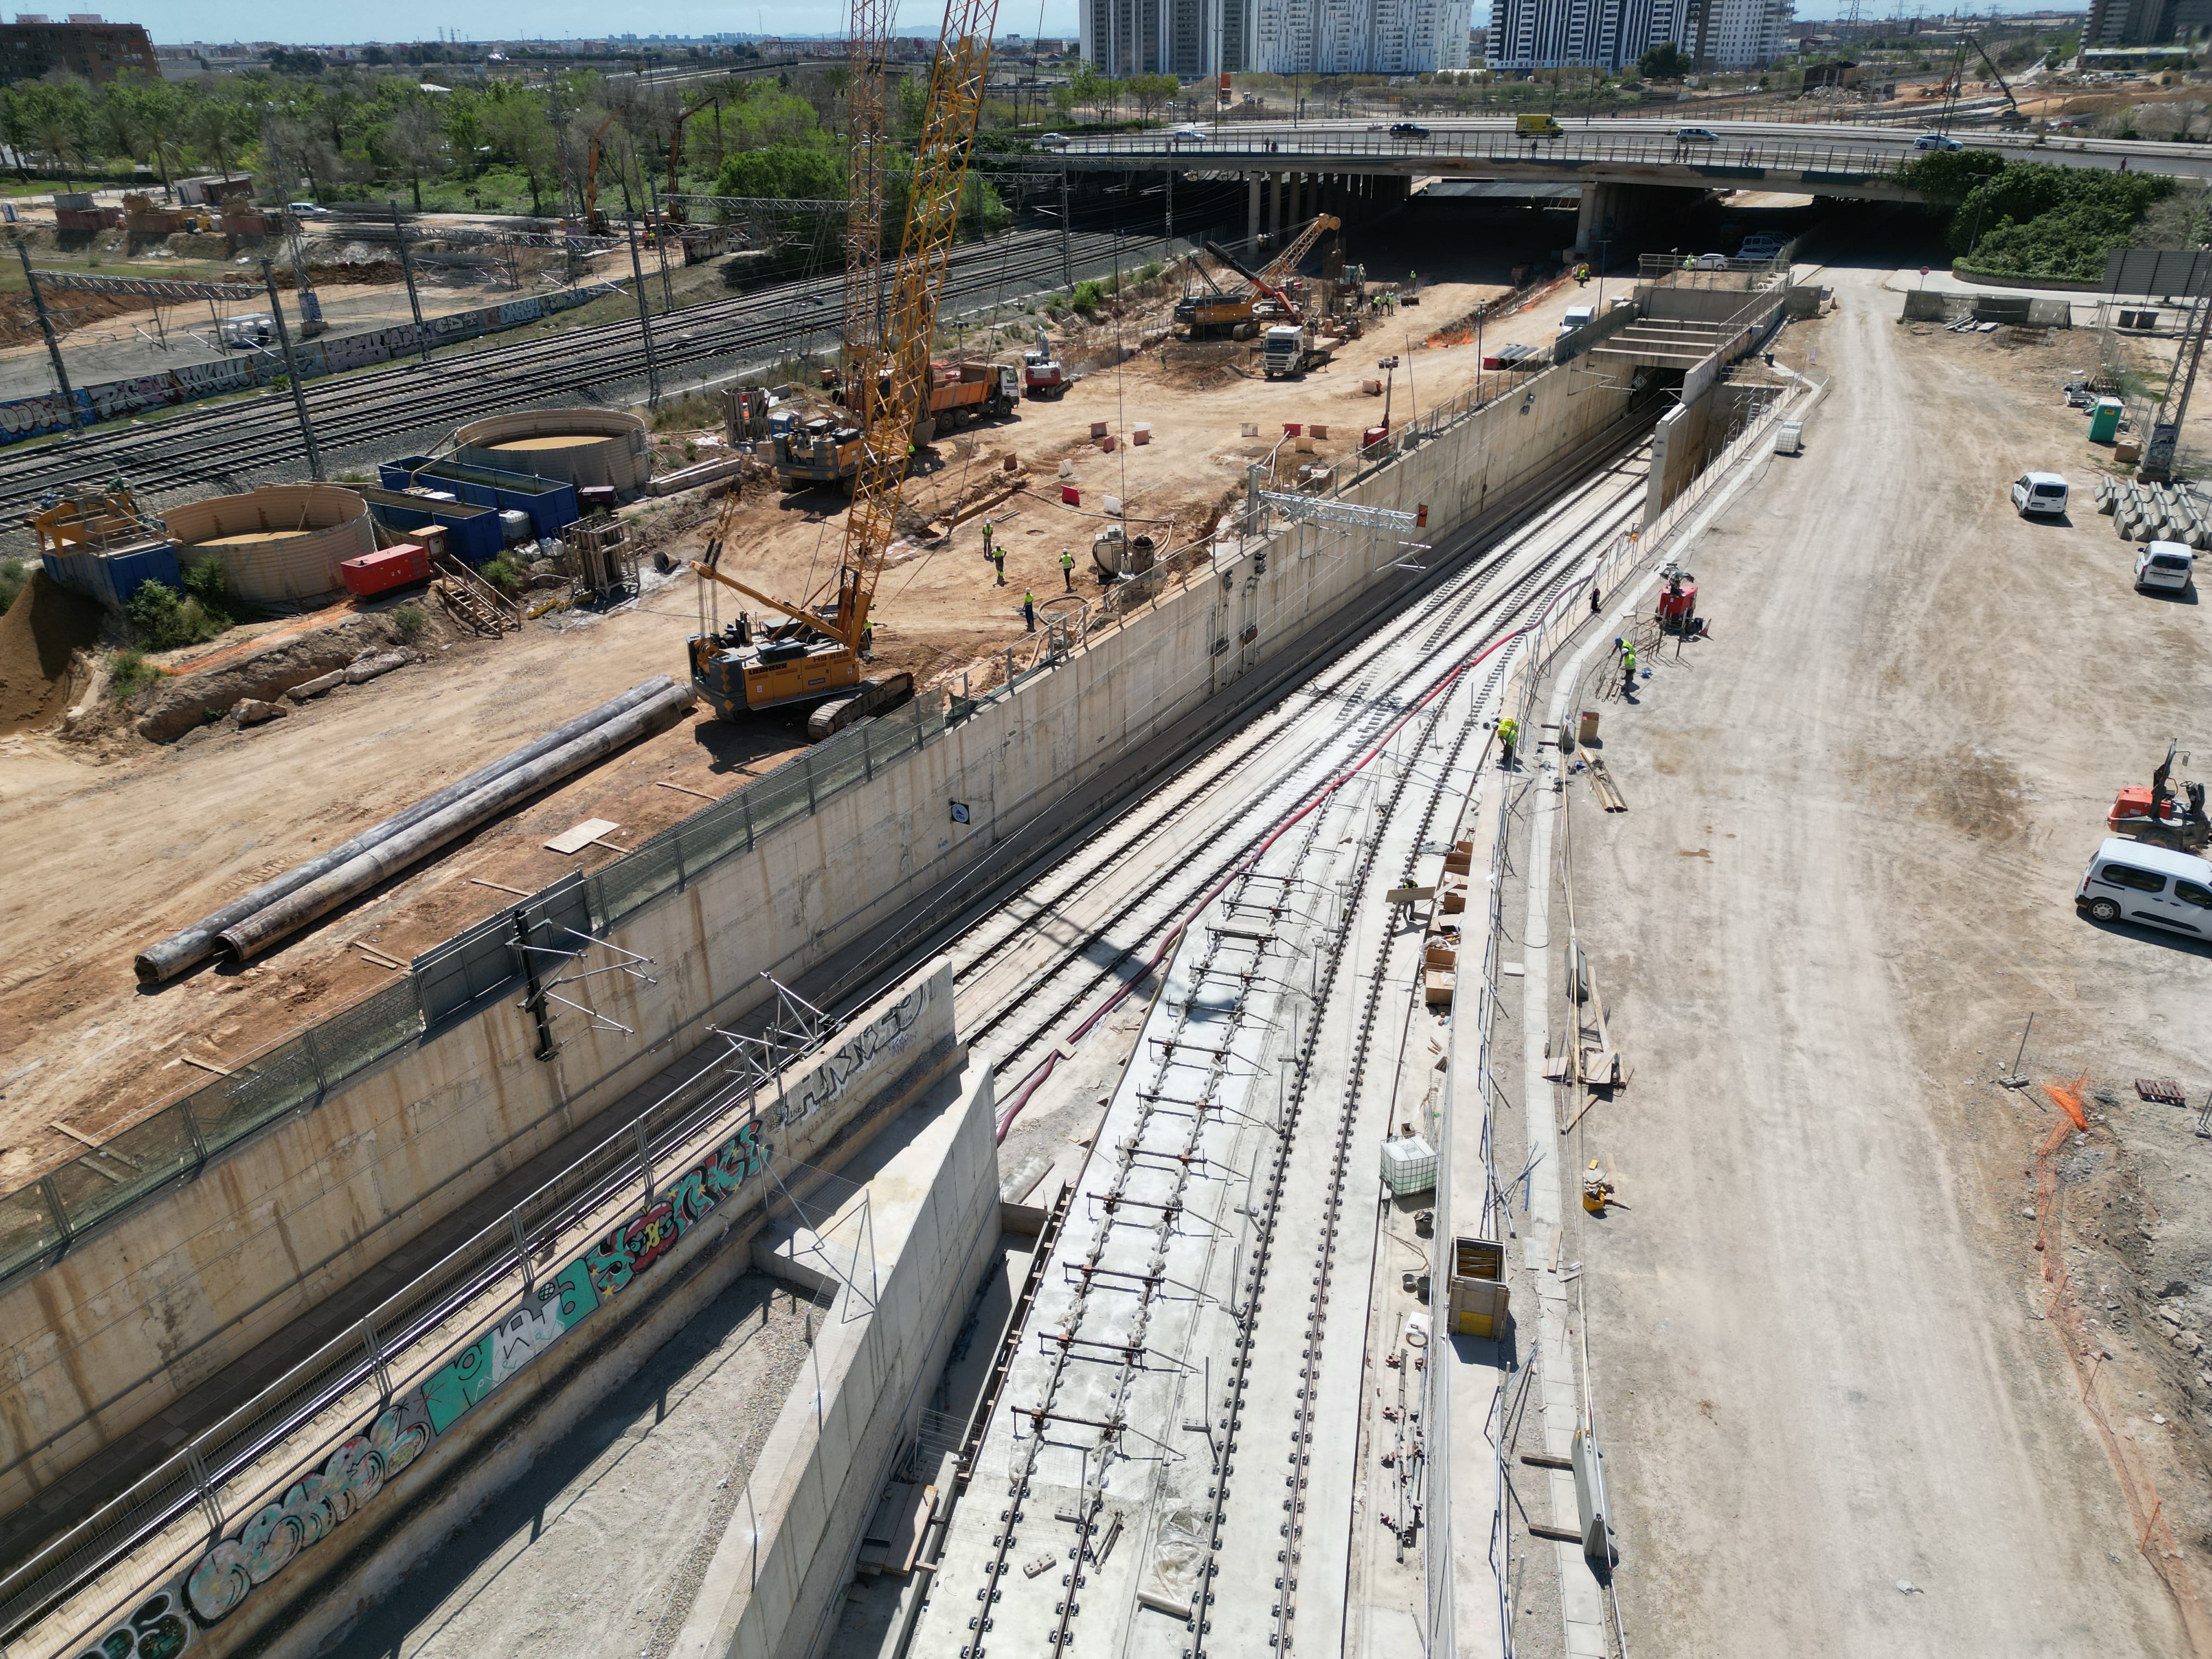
(41, 628)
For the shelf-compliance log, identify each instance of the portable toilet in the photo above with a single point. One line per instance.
(2105, 421)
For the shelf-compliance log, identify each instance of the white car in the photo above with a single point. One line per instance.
(306, 210)
(1187, 135)
(2038, 493)
(2169, 566)
(1053, 140)
(1712, 262)
(1937, 141)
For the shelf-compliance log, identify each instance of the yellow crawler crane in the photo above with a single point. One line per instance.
(814, 653)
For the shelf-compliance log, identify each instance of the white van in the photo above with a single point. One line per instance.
(2043, 492)
(2134, 881)
(1576, 316)
(2169, 565)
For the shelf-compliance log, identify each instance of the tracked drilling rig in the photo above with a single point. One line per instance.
(814, 654)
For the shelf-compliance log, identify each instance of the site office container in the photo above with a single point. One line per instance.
(551, 503)
(386, 568)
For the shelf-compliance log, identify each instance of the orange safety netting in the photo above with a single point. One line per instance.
(2153, 1536)
(2067, 1097)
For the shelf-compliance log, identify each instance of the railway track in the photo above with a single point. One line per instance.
(383, 407)
(1148, 1294)
(1209, 811)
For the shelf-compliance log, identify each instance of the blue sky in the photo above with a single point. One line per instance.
(172, 20)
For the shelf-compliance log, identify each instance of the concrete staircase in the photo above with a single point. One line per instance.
(1657, 342)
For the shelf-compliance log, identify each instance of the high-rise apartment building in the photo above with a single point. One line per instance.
(1717, 35)
(1192, 38)
(2129, 22)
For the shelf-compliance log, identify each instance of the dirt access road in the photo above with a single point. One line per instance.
(1840, 1418)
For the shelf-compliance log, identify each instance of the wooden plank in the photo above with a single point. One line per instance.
(577, 836)
(498, 886)
(1546, 1461)
(1557, 1535)
(205, 1065)
(684, 789)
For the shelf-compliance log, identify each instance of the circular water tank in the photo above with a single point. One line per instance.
(280, 545)
(581, 446)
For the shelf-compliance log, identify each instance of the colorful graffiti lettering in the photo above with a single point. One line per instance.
(638, 1243)
(307, 1514)
(157, 1628)
(541, 1321)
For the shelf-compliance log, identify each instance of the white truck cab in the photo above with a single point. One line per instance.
(2133, 881)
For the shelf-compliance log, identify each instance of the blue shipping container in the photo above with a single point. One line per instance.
(112, 577)
(472, 533)
(550, 502)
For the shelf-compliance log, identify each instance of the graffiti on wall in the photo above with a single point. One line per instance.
(158, 1627)
(396, 1437)
(404, 1429)
(628, 1250)
(31, 417)
(887, 1036)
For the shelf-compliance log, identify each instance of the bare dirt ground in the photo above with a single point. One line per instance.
(115, 843)
(1848, 1410)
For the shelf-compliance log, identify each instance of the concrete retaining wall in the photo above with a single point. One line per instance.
(818, 1478)
(477, 1411)
(166, 1295)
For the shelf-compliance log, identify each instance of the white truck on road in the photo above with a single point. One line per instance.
(1290, 349)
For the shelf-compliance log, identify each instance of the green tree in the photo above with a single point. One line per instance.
(1664, 62)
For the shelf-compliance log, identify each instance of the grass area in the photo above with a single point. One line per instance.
(128, 673)
(15, 574)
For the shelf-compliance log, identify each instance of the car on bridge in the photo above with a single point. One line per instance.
(1053, 140)
(1409, 130)
(1937, 141)
(1696, 135)
(1188, 133)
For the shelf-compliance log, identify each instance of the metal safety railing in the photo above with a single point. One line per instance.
(411, 1332)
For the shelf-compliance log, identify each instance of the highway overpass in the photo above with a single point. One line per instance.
(1620, 167)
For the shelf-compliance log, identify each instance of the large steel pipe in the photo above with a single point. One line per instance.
(395, 853)
(182, 950)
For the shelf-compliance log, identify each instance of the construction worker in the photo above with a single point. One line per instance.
(1067, 568)
(999, 558)
(1689, 262)
(1627, 667)
(1029, 610)
(987, 539)
(1508, 733)
(1582, 275)
(1593, 600)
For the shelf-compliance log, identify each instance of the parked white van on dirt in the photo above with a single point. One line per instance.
(2134, 881)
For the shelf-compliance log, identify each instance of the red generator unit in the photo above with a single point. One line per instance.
(1678, 603)
(384, 569)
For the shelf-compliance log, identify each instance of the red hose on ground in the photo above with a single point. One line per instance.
(1043, 1070)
